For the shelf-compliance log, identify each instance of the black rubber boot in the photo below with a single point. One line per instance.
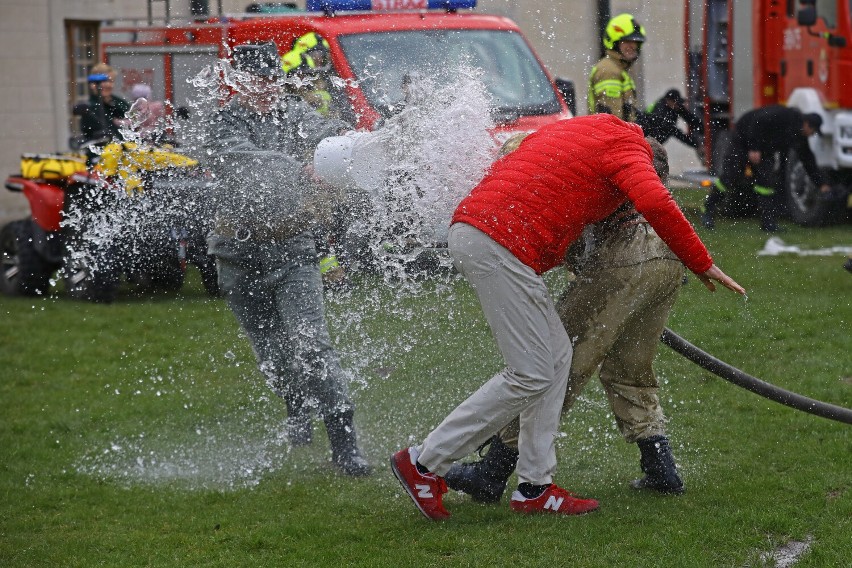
(658, 464)
(485, 481)
(344, 446)
(300, 425)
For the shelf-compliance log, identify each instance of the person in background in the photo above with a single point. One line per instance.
(516, 224)
(147, 115)
(107, 112)
(611, 88)
(660, 121)
(311, 76)
(266, 208)
(760, 143)
(626, 282)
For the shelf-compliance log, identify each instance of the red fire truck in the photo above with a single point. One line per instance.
(373, 44)
(743, 55)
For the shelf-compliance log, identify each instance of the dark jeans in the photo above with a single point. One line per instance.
(275, 291)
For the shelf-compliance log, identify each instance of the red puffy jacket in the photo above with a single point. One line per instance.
(536, 200)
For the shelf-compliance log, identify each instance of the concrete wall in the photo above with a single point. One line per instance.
(33, 102)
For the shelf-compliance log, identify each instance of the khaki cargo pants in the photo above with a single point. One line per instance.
(615, 316)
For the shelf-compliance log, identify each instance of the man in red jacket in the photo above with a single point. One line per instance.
(514, 226)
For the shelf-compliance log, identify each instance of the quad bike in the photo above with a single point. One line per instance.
(152, 252)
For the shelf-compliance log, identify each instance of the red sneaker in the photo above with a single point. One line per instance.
(553, 500)
(425, 490)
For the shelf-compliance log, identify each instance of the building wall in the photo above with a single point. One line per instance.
(33, 101)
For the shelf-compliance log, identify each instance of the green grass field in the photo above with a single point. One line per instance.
(141, 434)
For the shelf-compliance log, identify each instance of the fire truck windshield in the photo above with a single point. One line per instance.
(510, 72)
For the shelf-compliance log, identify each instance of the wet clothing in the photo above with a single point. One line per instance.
(615, 311)
(264, 247)
(569, 174)
(513, 226)
(774, 131)
(99, 119)
(611, 88)
(275, 291)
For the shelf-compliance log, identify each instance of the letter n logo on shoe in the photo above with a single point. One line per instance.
(425, 492)
(553, 502)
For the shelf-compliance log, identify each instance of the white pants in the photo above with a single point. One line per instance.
(537, 353)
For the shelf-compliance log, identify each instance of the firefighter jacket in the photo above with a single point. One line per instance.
(660, 123)
(258, 161)
(537, 200)
(611, 88)
(777, 128)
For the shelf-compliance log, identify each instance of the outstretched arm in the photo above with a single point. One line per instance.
(715, 273)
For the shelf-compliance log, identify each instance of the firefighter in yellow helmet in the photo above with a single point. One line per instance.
(611, 88)
(310, 61)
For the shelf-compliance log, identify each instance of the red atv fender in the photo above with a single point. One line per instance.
(46, 200)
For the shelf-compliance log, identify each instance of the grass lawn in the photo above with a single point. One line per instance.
(141, 434)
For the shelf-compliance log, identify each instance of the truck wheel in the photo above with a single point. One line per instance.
(801, 196)
(23, 272)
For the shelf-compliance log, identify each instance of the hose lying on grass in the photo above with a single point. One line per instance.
(753, 384)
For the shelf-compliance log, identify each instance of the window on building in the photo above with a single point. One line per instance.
(82, 53)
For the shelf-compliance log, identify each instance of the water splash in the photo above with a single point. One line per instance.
(424, 160)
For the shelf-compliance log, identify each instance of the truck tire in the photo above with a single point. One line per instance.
(23, 272)
(801, 196)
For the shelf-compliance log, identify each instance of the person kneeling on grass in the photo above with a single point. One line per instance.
(514, 226)
(627, 281)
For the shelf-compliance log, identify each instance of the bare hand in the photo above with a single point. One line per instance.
(715, 273)
(754, 156)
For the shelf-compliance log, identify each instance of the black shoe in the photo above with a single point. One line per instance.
(658, 464)
(345, 454)
(470, 478)
(848, 264)
(352, 464)
(708, 221)
(485, 481)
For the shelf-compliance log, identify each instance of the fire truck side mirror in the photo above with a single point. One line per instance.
(807, 16)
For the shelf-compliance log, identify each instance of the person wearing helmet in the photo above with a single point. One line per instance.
(611, 88)
(267, 206)
(308, 63)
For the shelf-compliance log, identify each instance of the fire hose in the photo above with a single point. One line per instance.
(753, 384)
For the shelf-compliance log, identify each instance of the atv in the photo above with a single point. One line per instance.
(70, 194)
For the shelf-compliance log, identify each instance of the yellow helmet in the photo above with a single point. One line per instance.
(622, 27)
(309, 42)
